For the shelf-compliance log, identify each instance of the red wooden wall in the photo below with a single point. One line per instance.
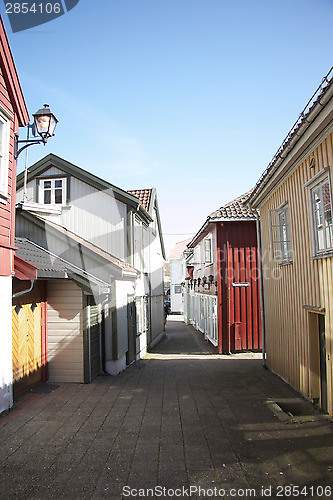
(239, 307)
(13, 105)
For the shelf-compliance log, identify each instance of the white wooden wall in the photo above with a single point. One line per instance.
(92, 214)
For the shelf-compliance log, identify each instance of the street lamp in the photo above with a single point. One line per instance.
(44, 125)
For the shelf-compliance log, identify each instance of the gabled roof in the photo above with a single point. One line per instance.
(11, 78)
(315, 105)
(51, 266)
(235, 210)
(52, 160)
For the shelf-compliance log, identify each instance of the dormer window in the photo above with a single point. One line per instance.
(53, 191)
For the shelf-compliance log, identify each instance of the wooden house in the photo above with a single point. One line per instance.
(222, 289)
(13, 114)
(294, 196)
(113, 239)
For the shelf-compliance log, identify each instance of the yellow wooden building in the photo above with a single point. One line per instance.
(294, 196)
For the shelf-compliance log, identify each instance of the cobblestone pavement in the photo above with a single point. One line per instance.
(181, 419)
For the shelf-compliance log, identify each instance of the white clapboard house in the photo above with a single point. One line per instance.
(99, 249)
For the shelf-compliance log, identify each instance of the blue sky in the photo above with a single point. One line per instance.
(193, 97)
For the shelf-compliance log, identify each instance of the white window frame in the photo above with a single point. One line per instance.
(209, 251)
(313, 185)
(4, 156)
(53, 181)
(197, 259)
(281, 234)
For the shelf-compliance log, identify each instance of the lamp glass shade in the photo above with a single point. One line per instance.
(45, 122)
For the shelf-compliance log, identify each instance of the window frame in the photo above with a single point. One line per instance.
(210, 260)
(313, 185)
(282, 247)
(53, 180)
(4, 156)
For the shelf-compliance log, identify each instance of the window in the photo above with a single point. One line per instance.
(280, 234)
(4, 155)
(321, 211)
(52, 191)
(208, 251)
(178, 289)
(197, 260)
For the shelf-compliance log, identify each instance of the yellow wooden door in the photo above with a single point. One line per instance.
(27, 341)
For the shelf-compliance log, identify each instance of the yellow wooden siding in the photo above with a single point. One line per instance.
(65, 332)
(306, 281)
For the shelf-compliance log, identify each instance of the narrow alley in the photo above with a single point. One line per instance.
(182, 419)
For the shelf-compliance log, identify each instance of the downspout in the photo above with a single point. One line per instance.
(23, 292)
(262, 295)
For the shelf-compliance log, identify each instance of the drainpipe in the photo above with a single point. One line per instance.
(262, 305)
(23, 292)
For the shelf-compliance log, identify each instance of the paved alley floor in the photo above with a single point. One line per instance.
(181, 423)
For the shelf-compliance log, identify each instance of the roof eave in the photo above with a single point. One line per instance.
(232, 219)
(195, 238)
(299, 139)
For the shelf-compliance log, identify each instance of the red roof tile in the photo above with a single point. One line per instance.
(236, 209)
(144, 196)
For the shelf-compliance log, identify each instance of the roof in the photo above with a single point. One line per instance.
(51, 266)
(144, 196)
(312, 109)
(11, 78)
(179, 248)
(143, 201)
(235, 210)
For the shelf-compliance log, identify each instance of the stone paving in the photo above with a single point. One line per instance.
(181, 419)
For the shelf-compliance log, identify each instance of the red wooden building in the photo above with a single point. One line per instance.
(223, 286)
(13, 114)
